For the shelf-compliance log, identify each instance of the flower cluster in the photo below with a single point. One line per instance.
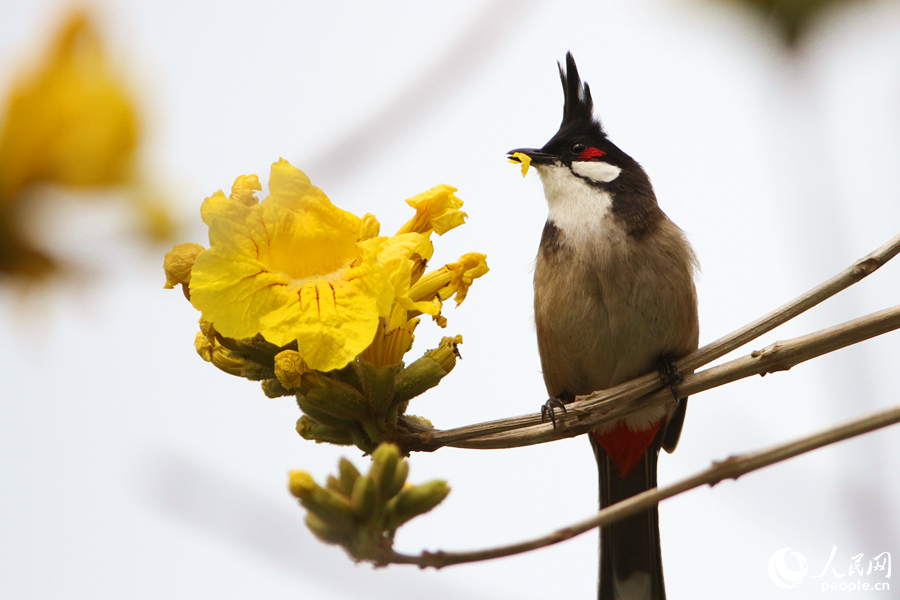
(361, 513)
(314, 302)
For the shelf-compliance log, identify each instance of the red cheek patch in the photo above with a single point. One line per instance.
(591, 153)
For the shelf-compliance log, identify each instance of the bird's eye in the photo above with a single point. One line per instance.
(578, 148)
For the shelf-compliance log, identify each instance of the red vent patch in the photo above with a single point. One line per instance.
(625, 447)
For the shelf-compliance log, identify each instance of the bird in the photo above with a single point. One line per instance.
(614, 299)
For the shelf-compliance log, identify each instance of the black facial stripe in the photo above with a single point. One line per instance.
(600, 185)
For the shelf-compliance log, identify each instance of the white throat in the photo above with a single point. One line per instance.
(577, 207)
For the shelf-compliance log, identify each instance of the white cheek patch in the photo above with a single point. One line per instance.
(596, 170)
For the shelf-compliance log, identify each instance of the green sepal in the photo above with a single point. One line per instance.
(338, 399)
(253, 370)
(258, 350)
(378, 385)
(272, 388)
(420, 376)
(313, 411)
(347, 374)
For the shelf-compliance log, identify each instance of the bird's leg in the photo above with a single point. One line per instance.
(550, 406)
(669, 374)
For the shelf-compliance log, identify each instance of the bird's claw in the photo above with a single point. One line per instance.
(669, 374)
(549, 409)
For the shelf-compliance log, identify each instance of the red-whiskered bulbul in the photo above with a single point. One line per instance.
(614, 298)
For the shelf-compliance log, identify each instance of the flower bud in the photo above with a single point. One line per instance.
(178, 264)
(415, 500)
(292, 371)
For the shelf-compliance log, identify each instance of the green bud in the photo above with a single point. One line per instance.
(301, 484)
(325, 533)
(313, 410)
(310, 429)
(415, 500)
(333, 484)
(384, 465)
(420, 376)
(348, 476)
(364, 498)
(338, 399)
(333, 509)
(399, 479)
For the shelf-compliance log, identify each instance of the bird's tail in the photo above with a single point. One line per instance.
(630, 555)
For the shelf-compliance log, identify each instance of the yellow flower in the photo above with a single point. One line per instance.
(71, 122)
(452, 278)
(293, 267)
(437, 210)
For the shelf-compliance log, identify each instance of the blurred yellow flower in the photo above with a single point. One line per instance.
(71, 122)
(293, 267)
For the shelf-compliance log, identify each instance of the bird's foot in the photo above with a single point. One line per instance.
(549, 410)
(669, 374)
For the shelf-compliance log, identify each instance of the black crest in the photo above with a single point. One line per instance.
(579, 106)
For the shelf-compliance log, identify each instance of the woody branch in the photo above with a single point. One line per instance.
(609, 405)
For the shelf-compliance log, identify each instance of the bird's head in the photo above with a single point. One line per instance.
(580, 148)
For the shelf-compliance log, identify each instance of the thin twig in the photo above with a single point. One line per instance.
(734, 340)
(730, 468)
(592, 409)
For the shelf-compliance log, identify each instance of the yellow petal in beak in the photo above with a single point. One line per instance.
(522, 158)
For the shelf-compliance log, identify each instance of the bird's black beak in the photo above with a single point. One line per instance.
(537, 157)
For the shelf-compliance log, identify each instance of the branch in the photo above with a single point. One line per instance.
(608, 405)
(730, 468)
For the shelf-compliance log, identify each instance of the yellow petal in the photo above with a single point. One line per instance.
(437, 209)
(522, 158)
(243, 188)
(452, 278)
(371, 227)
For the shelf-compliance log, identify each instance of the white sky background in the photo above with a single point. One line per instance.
(132, 469)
